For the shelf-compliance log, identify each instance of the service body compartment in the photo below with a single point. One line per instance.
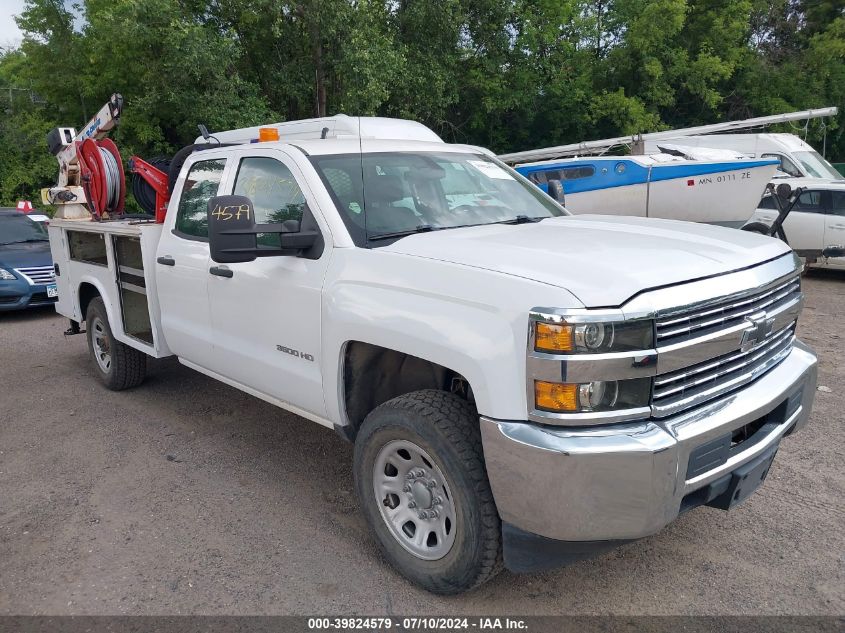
(118, 260)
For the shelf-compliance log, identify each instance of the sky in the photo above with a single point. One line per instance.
(10, 35)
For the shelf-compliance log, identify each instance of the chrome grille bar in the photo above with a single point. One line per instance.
(693, 385)
(726, 312)
(37, 275)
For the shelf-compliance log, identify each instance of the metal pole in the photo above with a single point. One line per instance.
(603, 144)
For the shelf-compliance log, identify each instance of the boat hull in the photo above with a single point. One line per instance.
(718, 193)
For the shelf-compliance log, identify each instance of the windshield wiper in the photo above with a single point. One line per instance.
(522, 219)
(31, 239)
(425, 228)
(422, 228)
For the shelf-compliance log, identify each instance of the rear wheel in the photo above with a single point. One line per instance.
(423, 488)
(118, 366)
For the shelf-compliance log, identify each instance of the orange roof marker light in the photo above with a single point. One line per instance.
(267, 134)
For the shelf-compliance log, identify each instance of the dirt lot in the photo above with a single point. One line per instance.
(187, 496)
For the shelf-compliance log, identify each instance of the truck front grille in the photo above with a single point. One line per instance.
(725, 312)
(37, 275)
(687, 387)
(700, 382)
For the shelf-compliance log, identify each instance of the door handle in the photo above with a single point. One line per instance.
(221, 271)
(166, 260)
(838, 226)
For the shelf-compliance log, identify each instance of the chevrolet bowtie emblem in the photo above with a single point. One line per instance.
(760, 327)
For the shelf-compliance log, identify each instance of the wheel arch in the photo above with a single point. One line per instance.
(86, 293)
(89, 289)
(372, 374)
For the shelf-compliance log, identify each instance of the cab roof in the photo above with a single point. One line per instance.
(339, 126)
(368, 146)
(325, 147)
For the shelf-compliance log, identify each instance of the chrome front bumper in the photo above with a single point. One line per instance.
(627, 481)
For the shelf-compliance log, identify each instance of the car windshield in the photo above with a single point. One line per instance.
(388, 195)
(16, 227)
(817, 166)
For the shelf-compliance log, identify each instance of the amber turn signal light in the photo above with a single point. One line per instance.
(552, 338)
(555, 396)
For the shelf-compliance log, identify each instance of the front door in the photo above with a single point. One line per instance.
(182, 266)
(266, 315)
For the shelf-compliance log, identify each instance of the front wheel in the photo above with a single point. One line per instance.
(422, 485)
(118, 366)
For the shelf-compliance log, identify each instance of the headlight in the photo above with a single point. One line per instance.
(589, 367)
(594, 337)
(597, 395)
(5, 275)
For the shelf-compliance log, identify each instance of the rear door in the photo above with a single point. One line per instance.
(804, 226)
(834, 231)
(182, 262)
(266, 313)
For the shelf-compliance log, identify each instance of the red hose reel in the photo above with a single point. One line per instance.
(103, 180)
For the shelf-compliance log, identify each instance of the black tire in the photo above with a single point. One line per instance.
(446, 427)
(757, 227)
(127, 367)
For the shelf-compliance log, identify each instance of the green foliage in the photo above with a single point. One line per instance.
(508, 74)
(25, 164)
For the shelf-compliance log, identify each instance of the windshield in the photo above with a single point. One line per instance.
(16, 227)
(817, 166)
(381, 194)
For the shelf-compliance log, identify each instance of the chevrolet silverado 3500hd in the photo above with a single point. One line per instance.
(523, 387)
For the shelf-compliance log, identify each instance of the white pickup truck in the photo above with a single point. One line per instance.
(523, 387)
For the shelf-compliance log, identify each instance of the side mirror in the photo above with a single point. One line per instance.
(556, 191)
(233, 233)
(231, 224)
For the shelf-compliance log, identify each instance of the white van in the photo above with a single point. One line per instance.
(797, 158)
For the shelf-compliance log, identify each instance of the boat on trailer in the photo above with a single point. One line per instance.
(723, 191)
(675, 181)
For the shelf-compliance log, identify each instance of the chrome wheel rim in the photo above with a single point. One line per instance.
(100, 343)
(414, 500)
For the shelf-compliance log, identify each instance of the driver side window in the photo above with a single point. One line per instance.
(275, 195)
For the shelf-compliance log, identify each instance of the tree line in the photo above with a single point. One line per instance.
(505, 74)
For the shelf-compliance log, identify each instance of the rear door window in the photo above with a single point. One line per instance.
(837, 206)
(768, 202)
(810, 202)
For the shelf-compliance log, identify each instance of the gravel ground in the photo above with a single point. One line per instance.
(187, 496)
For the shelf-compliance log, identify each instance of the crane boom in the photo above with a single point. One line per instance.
(588, 147)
